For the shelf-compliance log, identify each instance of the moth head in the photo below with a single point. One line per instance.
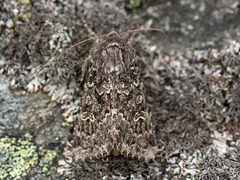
(113, 35)
(113, 55)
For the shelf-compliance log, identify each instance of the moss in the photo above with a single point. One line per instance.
(18, 157)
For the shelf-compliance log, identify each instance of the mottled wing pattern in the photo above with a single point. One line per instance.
(114, 115)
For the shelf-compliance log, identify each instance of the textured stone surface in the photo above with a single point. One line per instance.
(193, 93)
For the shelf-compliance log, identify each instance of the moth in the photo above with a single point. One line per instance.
(109, 104)
(114, 116)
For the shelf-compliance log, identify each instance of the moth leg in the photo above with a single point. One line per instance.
(90, 31)
(85, 65)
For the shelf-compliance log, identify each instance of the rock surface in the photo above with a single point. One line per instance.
(192, 85)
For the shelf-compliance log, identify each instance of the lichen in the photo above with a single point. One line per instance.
(66, 124)
(47, 160)
(24, 1)
(132, 4)
(17, 157)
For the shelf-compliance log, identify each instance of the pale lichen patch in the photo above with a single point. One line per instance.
(18, 157)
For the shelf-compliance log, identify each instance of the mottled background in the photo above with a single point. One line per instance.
(191, 78)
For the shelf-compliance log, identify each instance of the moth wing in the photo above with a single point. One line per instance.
(90, 141)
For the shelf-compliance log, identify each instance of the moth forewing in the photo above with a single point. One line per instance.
(114, 98)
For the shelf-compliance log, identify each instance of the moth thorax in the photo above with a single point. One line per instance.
(113, 60)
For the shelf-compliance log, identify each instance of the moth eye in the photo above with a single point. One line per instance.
(87, 116)
(139, 99)
(140, 116)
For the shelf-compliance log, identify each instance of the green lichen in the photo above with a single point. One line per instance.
(26, 15)
(66, 124)
(132, 4)
(2, 75)
(47, 160)
(17, 157)
(57, 138)
(24, 1)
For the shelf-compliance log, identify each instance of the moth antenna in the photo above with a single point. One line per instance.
(130, 40)
(73, 47)
(97, 37)
(90, 31)
(83, 41)
(147, 29)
